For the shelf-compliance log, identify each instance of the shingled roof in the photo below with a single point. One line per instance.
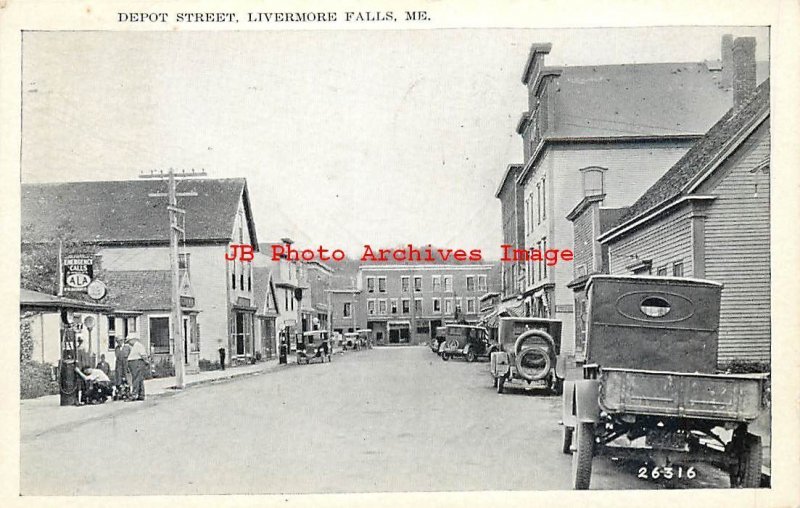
(121, 212)
(696, 160)
(140, 290)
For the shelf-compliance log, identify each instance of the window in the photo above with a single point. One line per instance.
(418, 305)
(131, 325)
(448, 283)
(159, 334)
(286, 299)
(448, 306)
(112, 332)
(527, 215)
(291, 299)
(381, 284)
(417, 284)
(530, 212)
(404, 284)
(346, 309)
(592, 181)
(470, 283)
(543, 262)
(394, 305)
(371, 307)
(662, 272)
(233, 277)
(437, 306)
(544, 199)
(437, 283)
(470, 305)
(370, 284)
(539, 203)
(654, 306)
(677, 269)
(406, 306)
(382, 307)
(482, 283)
(249, 277)
(459, 304)
(183, 263)
(241, 276)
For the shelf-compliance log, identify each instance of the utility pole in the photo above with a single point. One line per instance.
(174, 230)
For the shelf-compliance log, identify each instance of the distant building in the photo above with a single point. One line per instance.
(590, 128)
(403, 304)
(709, 217)
(511, 199)
(347, 314)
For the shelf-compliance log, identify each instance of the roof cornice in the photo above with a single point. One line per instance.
(583, 205)
(639, 220)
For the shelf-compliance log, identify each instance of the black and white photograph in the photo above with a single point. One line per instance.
(265, 251)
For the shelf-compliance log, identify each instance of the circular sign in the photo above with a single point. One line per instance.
(78, 280)
(96, 289)
(88, 322)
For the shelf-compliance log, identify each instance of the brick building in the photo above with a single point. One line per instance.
(403, 304)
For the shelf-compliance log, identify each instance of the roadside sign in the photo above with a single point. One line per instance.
(78, 272)
(96, 289)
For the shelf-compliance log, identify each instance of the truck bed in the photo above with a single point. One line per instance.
(728, 397)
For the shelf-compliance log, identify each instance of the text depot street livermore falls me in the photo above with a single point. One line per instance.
(426, 254)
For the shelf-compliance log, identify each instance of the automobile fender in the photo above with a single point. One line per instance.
(587, 404)
(568, 404)
(499, 364)
(561, 367)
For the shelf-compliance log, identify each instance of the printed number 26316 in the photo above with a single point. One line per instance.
(668, 473)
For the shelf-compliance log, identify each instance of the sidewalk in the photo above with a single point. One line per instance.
(44, 414)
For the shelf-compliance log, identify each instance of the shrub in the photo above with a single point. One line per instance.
(162, 368)
(36, 379)
(208, 365)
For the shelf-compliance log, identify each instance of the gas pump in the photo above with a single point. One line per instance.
(68, 378)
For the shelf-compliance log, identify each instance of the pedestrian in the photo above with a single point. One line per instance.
(98, 385)
(103, 365)
(121, 372)
(222, 357)
(138, 364)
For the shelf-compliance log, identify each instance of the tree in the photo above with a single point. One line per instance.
(39, 270)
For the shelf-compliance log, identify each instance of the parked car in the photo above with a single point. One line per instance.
(529, 354)
(365, 338)
(315, 344)
(351, 341)
(438, 338)
(650, 389)
(467, 341)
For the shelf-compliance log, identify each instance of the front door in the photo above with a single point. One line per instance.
(186, 340)
(239, 334)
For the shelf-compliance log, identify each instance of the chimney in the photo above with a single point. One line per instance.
(727, 61)
(744, 70)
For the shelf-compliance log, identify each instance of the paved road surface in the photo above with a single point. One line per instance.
(380, 420)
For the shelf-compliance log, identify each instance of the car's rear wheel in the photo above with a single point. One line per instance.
(582, 456)
(748, 472)
(445, 356)
(471, 356)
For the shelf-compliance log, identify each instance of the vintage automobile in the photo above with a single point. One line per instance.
(467, 341)
(365, 338)
(315, 344)
(650, 389)
(438, 338)
(351, 341)
(529, 354)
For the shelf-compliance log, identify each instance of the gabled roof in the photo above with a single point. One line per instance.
(142, 290)
(729, 131)
(121, 212)
(510, 175)
(263, 288)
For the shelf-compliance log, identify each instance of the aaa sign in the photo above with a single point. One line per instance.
(78, 272)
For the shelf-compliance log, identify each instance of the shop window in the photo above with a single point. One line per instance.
(112, 333)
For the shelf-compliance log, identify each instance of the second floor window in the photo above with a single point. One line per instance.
(371, 307)
(470, 305)
(370, 284)
(417, 284)
(677, 269)
(404, 284)
(482, 283)
(448, 283)
(448, 306)
(418, 305)
(662, 272)
(406, 306)
(382, 307)
(394, 306)
(437, 283)
(470, 283)
(437, 306)
(381, 284)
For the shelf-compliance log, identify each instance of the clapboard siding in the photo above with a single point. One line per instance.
(664, 242)
(737, 250)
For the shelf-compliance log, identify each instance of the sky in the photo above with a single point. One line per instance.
(346, 138)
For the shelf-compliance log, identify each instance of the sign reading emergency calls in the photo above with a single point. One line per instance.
(78, 272)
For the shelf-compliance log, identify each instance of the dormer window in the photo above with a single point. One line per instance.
(593, 181)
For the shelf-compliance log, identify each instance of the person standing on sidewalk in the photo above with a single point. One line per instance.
(138, 363)
(121, 373)
(221, 357)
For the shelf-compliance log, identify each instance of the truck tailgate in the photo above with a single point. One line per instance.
(735, 397)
